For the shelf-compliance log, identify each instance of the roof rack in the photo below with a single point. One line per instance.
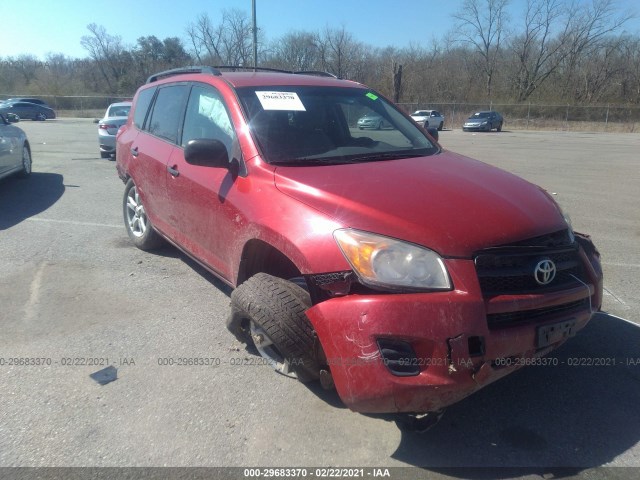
(182, 70)
(277, 70)
(233, 68)
(317, 73)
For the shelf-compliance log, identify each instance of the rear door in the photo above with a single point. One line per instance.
(151, 150)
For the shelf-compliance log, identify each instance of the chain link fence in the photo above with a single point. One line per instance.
(83, 106)
(613, 118)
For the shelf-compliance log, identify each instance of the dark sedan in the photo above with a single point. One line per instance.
(484, 121)
(27, 110)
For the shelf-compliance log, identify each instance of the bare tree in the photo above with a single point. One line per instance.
(296, 51)
(341, 54)
(539, 50)
(482, 24)
(589, 26)
(206, 39)
(27, 66)
(109, 54)
(228, 43)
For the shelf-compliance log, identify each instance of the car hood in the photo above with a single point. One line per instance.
(449, 203)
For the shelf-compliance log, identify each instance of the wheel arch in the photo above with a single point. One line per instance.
(259, 256)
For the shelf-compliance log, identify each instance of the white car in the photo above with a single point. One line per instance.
(115, 116)
(429, 118)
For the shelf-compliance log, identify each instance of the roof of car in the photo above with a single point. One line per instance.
(265, 79)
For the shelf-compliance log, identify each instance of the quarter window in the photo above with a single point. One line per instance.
(142, 105)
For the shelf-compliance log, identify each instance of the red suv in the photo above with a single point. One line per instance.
(406, 276)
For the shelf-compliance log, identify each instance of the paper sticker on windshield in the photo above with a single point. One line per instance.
(372, 96)
(280, 101)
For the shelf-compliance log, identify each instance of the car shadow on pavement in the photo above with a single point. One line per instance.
(172, 252)
(580, 414)
(21, 198)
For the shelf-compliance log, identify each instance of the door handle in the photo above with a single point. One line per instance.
(134, 151)
(173, 171)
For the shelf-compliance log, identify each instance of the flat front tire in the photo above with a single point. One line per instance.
(138, 225)
(270, 311)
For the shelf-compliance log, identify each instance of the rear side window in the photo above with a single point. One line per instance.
(168, 111)
(142, 106)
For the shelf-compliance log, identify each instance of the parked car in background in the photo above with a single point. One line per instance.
(37, 101)
(26, 110)
(429, 118)
(484, 121)
(405, 276)
(370, 121)
(115, 116)
(15, 151)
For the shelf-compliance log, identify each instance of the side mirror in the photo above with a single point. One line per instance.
(206, 153)
(433, 131)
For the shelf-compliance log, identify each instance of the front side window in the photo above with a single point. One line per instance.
(207, 117)
(168, 111)
(298, 125)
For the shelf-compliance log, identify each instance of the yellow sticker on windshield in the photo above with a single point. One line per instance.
(372, 96)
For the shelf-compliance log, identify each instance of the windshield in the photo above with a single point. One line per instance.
(324, 125)
(480, 115)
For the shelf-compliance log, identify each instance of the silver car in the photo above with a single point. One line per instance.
(429, 118)
(15, 152)
(115, 116)
(371, 121)
(483, 121)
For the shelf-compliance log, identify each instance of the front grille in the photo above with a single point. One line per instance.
(497, 320)
(510, 270)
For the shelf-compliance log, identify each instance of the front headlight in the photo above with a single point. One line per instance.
(381, 261)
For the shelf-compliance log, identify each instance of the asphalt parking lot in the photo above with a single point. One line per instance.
(73, 287)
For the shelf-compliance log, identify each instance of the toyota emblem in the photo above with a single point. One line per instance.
(545, 272)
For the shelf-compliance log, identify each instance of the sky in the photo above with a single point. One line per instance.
(38, 27)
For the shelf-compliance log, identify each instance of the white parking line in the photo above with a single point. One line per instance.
(30, 309)
(620, 318)
(616, 297)
(73, 222)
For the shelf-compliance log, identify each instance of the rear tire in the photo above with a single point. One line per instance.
(270, 311)
(441, 126)
(139, 227)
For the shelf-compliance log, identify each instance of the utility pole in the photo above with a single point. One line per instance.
(255, 36)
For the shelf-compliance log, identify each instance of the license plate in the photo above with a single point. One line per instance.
(554, 333)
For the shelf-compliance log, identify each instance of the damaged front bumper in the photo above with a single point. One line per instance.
(420, 352)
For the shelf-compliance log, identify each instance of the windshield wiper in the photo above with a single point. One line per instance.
(377, 157)
(311, 161)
